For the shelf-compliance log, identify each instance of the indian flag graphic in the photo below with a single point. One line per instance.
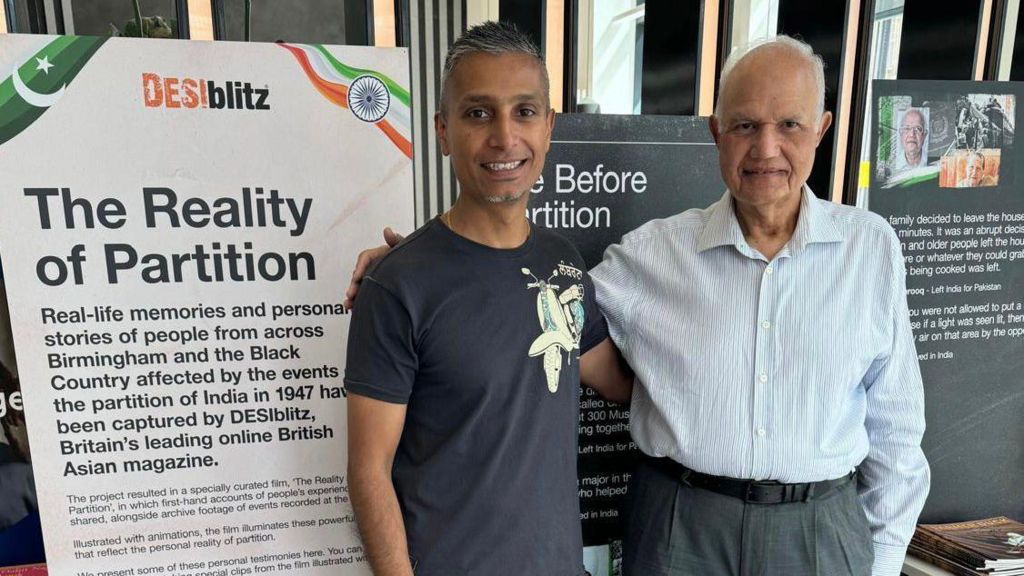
(35, 85)
(371, 96)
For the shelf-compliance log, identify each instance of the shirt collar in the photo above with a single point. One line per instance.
(722, 228)
(812, 225)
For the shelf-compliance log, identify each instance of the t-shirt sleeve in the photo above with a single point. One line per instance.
(595, 328)
(382, 360)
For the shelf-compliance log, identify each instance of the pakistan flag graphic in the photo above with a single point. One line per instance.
(33, 86)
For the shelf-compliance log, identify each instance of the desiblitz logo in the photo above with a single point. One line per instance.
(171, 92)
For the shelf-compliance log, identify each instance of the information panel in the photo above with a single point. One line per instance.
(944, 171)
(178, 221)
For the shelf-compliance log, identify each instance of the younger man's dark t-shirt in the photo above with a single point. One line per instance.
(483, 346)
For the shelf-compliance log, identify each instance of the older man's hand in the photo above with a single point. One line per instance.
(367, 257)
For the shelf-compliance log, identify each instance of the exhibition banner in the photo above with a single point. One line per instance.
(179, 222)
(945, 160)
(604, 176)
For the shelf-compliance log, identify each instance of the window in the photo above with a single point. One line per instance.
(310, 21)
(610, 56)
(117, 17)
(882, 65)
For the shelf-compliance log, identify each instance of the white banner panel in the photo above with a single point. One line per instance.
(179, 221)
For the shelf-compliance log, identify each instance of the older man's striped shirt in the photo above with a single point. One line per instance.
(796, 369)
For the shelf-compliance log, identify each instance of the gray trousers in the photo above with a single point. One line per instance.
(676, 530)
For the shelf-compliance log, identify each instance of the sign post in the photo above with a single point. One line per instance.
(179, 218)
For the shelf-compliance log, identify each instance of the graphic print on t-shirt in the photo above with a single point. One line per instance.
(561, 319)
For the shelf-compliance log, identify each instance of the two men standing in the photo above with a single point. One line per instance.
(769, 334)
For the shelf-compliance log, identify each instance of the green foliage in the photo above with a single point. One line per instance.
(152, 26)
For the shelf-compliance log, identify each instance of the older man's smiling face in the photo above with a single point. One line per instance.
(767, 127)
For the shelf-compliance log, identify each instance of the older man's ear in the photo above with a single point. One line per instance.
(713, 127)
(826, 121)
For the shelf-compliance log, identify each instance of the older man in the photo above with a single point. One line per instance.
(779, 398)
(913, 140)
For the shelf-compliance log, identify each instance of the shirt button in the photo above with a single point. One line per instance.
(768, 270)
(762, 378)
(766, 324)
(761, 431)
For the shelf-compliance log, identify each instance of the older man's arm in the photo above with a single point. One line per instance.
(895, 476)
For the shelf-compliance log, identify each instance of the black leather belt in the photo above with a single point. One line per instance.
(751, 491)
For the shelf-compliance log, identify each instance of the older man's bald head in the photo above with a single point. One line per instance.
(775, 45)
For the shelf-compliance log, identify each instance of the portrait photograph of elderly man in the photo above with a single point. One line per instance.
(913, 139)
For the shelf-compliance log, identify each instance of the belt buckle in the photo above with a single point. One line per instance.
(750, 495)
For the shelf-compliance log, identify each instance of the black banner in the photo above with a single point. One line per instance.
(944, 164)
(605, 176)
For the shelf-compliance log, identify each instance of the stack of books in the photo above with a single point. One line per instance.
(990, 547)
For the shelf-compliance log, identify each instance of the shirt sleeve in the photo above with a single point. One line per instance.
(381, 362)
(595, 328)
(615, 286)
(894, 478)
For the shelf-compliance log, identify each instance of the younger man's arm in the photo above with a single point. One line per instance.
(374, 429)
(603, 369)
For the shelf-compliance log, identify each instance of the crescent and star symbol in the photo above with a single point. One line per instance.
(31, 96)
